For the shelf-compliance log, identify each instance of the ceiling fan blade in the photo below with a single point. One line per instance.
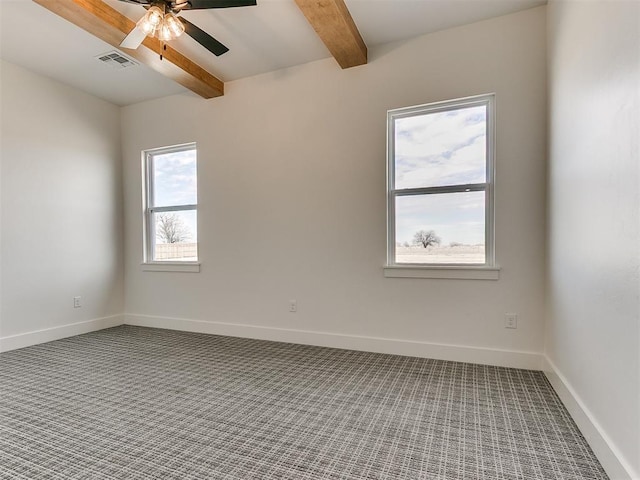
(203, 38)
(179, 5)
(137, 2)
(202, 4)
(134, 39)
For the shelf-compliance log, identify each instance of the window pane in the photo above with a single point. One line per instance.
(441, 228)
(176, 236)
(442, 148)
(174, 179)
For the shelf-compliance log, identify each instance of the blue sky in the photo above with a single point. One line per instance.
(456, 217)
(445, 148)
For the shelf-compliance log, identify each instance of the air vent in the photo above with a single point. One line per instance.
(116, 60)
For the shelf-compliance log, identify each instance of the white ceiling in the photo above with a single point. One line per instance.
(267, 37)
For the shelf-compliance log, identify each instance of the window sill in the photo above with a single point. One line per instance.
(192, 267)
(444, 272)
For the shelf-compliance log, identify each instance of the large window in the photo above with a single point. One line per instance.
(171, 204)
(440, 184)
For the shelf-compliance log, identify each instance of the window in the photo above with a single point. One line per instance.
(171, 205)
(440, 184)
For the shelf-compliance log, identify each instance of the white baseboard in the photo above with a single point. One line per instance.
(609, 456)
(22, 340)
(459, 353)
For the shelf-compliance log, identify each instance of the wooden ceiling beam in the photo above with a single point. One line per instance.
(109, 25)
(333, 23)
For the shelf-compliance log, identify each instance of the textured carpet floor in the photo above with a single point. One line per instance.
(140, 403)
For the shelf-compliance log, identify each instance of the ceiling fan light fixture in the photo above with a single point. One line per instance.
(164, 34)
(151, 21)
(173, 25)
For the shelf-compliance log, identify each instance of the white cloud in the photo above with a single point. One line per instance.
(441, 148)
(175, 181)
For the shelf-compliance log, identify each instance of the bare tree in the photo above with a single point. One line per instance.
(171, 228)
(426, 238)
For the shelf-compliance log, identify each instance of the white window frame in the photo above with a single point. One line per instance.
(149, 234)
(487, 271)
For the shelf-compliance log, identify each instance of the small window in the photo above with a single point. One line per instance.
(440, 184)
(171, 204)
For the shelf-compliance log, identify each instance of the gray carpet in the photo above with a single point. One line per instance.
(140, 403)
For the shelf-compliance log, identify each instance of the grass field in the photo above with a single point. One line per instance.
(466, 254)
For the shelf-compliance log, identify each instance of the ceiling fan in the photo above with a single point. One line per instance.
(161, 21)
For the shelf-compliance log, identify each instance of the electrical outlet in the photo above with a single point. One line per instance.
(510, 320)
(77, 302)
(293, 306)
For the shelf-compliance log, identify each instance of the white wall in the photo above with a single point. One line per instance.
(292, 197)
(61, 208)
(592, 337)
